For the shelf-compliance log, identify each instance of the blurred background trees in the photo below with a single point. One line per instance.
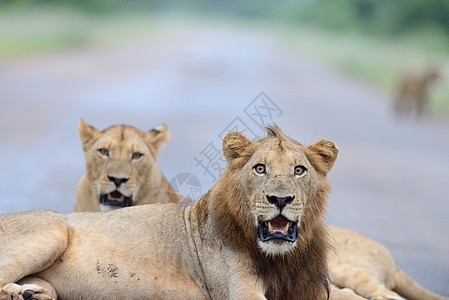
(377, 41)
(368, 16)
(374, 16)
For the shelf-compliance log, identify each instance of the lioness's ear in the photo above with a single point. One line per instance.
(325, 153)
(233, 144)
(156, 136)
(87, 134)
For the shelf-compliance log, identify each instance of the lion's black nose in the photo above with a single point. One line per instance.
(280, 201)
(117, 181)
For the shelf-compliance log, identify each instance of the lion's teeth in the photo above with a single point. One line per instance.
(283, 230)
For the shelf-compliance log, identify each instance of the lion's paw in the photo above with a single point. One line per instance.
(12, 291)
(347, 291)
(389, 297)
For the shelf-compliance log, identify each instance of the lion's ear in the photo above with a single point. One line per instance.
(87, 134)
(325, 154)
(156, 136)
(233, 144)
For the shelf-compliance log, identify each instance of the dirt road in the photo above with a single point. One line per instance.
(390, 182)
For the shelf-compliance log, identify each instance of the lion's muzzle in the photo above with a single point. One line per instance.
(278, 228)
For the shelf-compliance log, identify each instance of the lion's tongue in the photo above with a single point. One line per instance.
(278, 224)
(116, 195)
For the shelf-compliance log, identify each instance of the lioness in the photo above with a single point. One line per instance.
(413, 92)
(121, 168)
(257, 234)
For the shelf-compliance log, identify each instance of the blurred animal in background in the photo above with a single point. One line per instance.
(413, 94)
(121, 168)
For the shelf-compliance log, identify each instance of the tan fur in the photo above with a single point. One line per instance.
(367, 267)
(413, 92)
(358, 264)
(145, 182)
(208, 249)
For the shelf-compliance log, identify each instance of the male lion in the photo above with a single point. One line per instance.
(257, 234)
(121, 168)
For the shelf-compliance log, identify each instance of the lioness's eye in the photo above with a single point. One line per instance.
(299, 170)
(103, 151)
(136, 155)
(259, 168)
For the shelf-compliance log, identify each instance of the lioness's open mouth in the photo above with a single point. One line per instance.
(278, 228)
(116, 198)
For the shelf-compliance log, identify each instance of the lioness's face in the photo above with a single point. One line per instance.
(119, 160)
(280, 180)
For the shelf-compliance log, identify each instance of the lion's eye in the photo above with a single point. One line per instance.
(103, 151)
(136, 155)
(259, 168)
(299, 170)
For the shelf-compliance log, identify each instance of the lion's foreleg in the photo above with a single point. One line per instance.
(361, 282)
(343, 294)
(29, 243)
(243, 285)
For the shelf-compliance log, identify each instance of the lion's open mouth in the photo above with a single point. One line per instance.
(116, 198)
(278, 228)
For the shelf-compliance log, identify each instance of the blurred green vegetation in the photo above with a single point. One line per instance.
(374, 16)
(374, 40)
(28, 32)
(383, 17)
(378, 41)
(379, 61)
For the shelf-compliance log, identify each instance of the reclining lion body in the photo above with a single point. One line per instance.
(99, 256)
(257, 234)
